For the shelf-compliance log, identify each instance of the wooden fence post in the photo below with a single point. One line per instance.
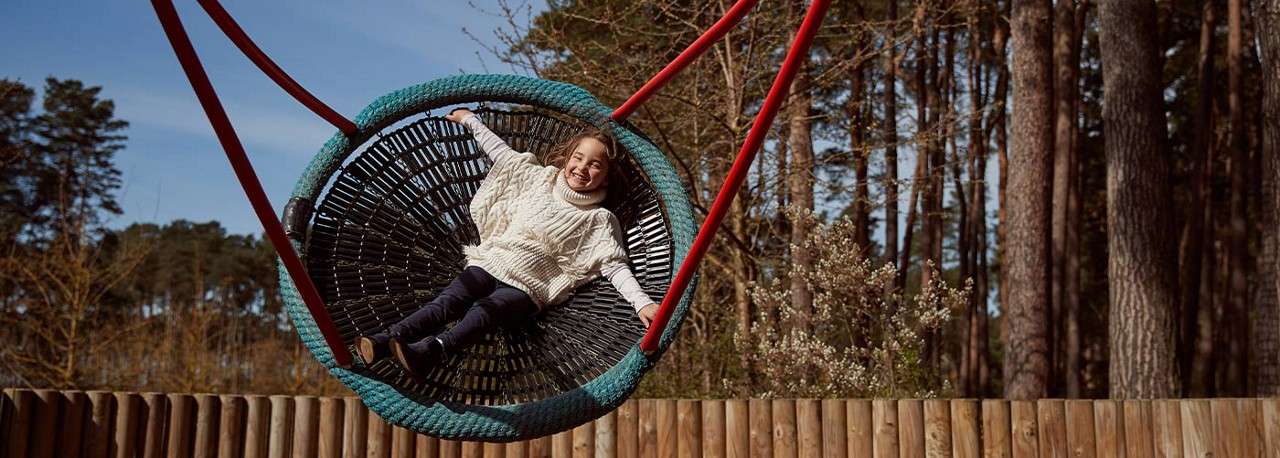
(713, 428)
(996, 429)
(689, 419)
(1138, 438)
(911, 428)
(1166, 420)
(737, 428)
(379, 437)
(860, 431)
(22, 412)
(181, 425)
(1197, 428)
(71, 437)
(808, 428)
(1080, 429)
(1251, 419)
(472, 449)
(257, 428)
(306, 423)
(1270, 426)
(835, 428)
(884, 420)
(157, 415)
(330, 424)
(424, 446)
(583, 439)
(761, 412)
(355, 428)
(1052, 427)
(128, 413)
(668, 430)
(402, 444)
(98, 433)
(937, 428)
(6, 404)
(540, 447)
(206, 443)
(450, 449)
(965, 428)
(519, 449)
(628, 430)
(281, 441)
(44, 423)
(1227, 428)
(1109, 428)
(784, 428)
(231, 426)
(606, 441)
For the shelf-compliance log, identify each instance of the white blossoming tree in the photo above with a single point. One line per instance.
(863, 338)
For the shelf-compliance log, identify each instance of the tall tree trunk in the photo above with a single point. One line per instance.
(1063, 175)
(891, 137)
(801, 176)
(973, 229)
(1235, 314)
(947, 81)
(978, 337)
(919, 186)
(913, 209)
(1140, 272)
(924, 137)
(857, 141)
(1268, 33)
(937, 150)
(1072, 369)
(1026, 364)
(1191, 254)
(738, 258)
(1265, 336)
(999, 42)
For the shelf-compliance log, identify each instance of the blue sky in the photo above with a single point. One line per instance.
(345, 52)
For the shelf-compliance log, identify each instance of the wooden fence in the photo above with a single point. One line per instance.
(48, 423)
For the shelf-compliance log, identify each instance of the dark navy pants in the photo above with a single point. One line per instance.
(479, 301)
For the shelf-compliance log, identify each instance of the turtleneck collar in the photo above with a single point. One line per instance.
(564, 192)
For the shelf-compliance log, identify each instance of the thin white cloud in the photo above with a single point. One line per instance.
(300, 133)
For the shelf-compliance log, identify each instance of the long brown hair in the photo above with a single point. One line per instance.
(559, 155)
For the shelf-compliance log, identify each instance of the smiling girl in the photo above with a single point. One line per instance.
(542, 233)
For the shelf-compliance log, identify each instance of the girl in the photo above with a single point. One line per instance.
(542, 233)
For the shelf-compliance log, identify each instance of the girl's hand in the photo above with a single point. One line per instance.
(647, 313)
(458, 115)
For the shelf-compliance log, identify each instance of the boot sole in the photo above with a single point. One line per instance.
(367, 350)
(397, 351)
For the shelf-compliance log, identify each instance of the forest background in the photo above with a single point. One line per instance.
(937, 211)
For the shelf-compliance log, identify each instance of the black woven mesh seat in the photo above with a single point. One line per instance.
(388, 234)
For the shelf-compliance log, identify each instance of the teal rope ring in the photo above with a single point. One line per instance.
(501, 423)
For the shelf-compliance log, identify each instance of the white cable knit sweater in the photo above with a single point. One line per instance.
(540, 236)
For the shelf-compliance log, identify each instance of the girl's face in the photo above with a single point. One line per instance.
(587, 167)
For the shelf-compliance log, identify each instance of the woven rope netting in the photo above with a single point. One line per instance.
(388, 234)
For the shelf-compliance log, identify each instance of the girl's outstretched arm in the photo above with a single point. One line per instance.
(625, 282)
(492, 145)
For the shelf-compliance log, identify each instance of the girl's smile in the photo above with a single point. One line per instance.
(588, 166)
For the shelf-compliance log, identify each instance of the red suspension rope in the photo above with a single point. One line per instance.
(268, 66)
(248, 178)
(741, 164)
(699, 46)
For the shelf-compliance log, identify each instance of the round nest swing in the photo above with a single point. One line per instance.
(387, 235)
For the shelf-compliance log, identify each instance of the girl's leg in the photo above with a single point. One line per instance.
(504, 307)
(473, 283)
